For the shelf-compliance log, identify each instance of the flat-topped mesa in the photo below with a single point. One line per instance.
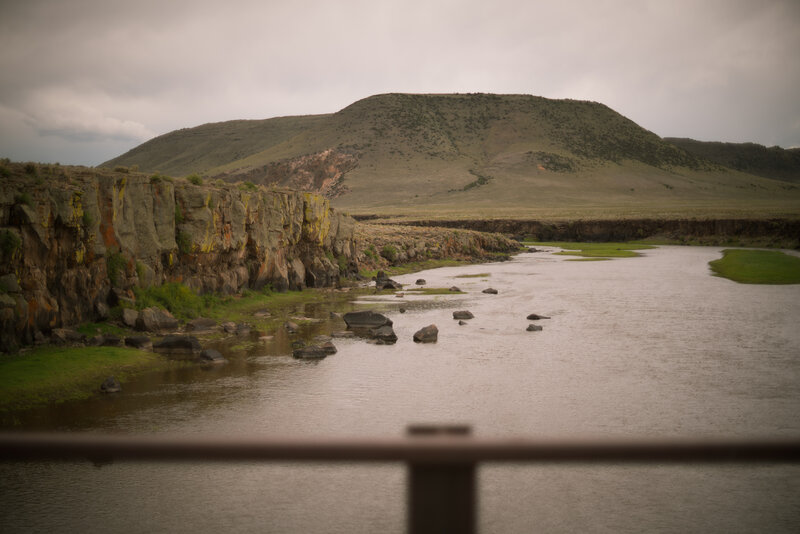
(76, 238)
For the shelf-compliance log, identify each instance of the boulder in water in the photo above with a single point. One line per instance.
(366, 319)
(110, 385)
(428, 334)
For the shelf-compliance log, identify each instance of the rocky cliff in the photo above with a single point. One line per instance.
(75, 240)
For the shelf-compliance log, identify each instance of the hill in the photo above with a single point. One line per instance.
(773, 162)
(470, 155)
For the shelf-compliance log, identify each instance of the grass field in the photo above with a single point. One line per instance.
(757, 267)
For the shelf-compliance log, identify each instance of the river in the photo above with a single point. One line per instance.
(653, 346)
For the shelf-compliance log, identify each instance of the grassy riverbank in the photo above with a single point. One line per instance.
(55, 374)
(757, 267)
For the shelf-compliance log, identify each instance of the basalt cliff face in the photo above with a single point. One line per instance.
(75, 240)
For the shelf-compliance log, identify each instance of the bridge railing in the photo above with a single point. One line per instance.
(441, 460)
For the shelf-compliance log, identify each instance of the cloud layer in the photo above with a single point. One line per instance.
(88, 79)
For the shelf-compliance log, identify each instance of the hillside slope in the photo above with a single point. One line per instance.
(469, 155)
(773, 162)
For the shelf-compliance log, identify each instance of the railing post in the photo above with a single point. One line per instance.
(441, 497)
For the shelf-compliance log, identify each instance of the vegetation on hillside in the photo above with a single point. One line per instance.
(471, 156)
(773, 162)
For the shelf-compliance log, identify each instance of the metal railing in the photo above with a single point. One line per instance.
(441, 460)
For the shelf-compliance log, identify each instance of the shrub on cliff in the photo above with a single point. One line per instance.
(389, 252)
(181, 301)
(195, 179)
(23, 198)
(10, 242)
(115, 266)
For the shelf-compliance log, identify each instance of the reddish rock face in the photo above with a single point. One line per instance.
(322, 172)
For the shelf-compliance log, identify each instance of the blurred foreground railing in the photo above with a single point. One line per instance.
(441, 460)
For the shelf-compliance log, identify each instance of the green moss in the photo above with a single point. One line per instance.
(93, 329)
(23, 198)
(479, 275)
(115, 266)
(757, 267)
(87, 219)
(50, 374)
(184, 242)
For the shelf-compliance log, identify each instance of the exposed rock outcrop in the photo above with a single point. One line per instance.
(322, 172)
(381, 245)
(73, 237)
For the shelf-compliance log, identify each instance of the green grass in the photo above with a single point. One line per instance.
(433, 291)
(93, 329)
(413, 267)
(56, 374)
(181, 301)
(757, 267)
(479, 275)
(595, 250)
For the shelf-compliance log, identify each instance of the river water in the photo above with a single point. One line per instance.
(641, 347)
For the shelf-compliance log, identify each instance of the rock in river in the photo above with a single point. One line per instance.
(212, 356)
(463, 314)
(388, 283)
(384, 334)
(110, 385)
(490, 291)
(139, 342)
(533, 328)
(314, 352)
(178, 344)
(428, 334)
(366, 319)
(201, 324)
(535, 317)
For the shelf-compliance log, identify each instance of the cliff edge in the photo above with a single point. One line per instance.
(75, 241)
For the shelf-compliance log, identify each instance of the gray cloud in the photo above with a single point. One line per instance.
(100, 74)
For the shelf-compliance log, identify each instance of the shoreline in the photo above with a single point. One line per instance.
(37, 378)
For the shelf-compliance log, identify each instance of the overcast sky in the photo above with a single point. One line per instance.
(86, 80)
